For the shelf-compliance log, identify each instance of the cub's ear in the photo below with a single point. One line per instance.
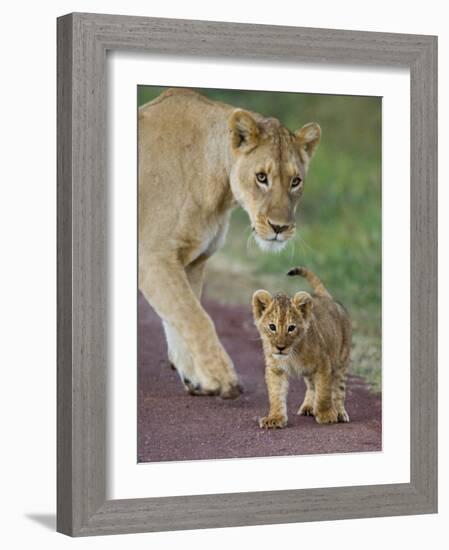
(261, 300)
(308, 138)
(303, 302)
(244, 131)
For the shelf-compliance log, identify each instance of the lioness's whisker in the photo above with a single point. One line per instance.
(292, 249)
(248, 241)
(307, 244)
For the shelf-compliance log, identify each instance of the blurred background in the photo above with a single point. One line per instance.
(339, 224)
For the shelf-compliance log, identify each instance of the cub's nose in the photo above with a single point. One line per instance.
(281, 348)
(278, 228)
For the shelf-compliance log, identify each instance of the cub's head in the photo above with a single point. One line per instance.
(269, 167)
(281, 320)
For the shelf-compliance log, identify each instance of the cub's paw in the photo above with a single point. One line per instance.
(326, 417)
(343, 416)
(305, 410)
(273, 422)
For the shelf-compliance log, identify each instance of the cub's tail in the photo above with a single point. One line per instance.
(316, 284)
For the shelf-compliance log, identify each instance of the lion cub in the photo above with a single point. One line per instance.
(308, 335)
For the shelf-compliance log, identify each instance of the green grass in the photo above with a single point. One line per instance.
(339, 220)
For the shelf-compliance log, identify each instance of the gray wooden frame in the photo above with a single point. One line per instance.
(83, 40)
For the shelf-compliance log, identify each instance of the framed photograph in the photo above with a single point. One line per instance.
(247, 274)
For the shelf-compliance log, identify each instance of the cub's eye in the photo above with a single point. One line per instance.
(261, 177)
(291, 328)
(296, 182)
(272, 327)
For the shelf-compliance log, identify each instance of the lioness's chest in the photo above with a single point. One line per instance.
(211, 238)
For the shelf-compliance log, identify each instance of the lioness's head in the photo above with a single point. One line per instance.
(281, 320)
(267, 177)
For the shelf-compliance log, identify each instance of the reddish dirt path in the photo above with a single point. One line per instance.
(173, 425)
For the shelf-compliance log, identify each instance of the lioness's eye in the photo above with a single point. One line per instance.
(272, 327)
(291, 328)
(296, 182)
(262, 178)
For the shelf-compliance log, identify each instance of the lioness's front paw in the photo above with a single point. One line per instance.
(273, 422)
(343, 416)
(198, 389)
(218, 373)
(231, 392)
(305, 410)
(326, 417)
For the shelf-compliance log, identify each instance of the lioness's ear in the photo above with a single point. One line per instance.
(244, 131)
(308, 138)
(303, 301)
(261, 300)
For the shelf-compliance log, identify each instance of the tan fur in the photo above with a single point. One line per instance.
(318, 348)
(197, 160)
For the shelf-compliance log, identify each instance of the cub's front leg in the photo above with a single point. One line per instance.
(324, 409)
(277, 385)
(306, 409)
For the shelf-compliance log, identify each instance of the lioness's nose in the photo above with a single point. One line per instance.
(278, 228)
(281, 348)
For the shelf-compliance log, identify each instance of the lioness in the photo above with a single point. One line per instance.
(198, 159)
(309, 336)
